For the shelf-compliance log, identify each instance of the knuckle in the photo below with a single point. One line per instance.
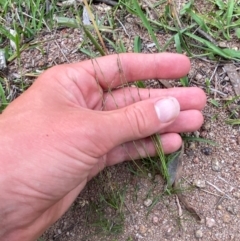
(136, 118)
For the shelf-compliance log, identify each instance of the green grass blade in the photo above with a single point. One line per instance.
(184, 81)
(146, 24)
(229, 14)
(3, 100)
(137, 44)
(6, 33)
(233, 121)
(94, 41)
(212, 47)
(160, 154)
(198, 139)
(178, 43)
(198, 20)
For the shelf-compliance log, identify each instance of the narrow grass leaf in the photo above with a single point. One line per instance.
(160, 153)
(214, 102)
(3, 100)
(67, 22)
(178, 43)
(213, 48)
(229, 14)
(232, 53)
(220, 4)
(6, 33)
(146, 24)
(184, 81)
(93, 40)
(87, 52)
(174, 167)
(199, 139)
(198, 20)
(233, 121)
(137, 44)
(238, 32)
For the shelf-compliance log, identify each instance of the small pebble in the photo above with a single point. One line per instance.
(147, 202)
(206, 151)
(196, 160)
(203, 134)
(198, 77)
(142, 229)
(198, 233)
(192, 146)
(155, 220)
(206, 126)
(216, 166)
(210, 222)
(196, 133)
(226, 218)
(226, 78)
(232, 210)
(219, 207)
(199, 183)
(236, 195)
(222, 44)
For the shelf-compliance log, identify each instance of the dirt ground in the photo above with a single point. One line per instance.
(211, 174)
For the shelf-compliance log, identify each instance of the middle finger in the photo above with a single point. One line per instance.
(189, 98)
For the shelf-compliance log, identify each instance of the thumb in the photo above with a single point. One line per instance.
(141, 119)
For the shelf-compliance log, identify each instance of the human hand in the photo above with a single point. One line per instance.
(68, 126)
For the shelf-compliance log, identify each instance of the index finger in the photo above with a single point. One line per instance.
(118, 69)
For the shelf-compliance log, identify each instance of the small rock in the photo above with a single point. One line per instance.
(222, 44)
(206, 126)
(155, 220)
(226, 78)
(204, 134)
(59, 231)
(41, 63)
(142, 229)
(236, 195)
(235, 48)
(198, 233)
(216, 166)
(206, 151)
(199, 183)
(210, 222)
(219, 207)
(226, 218)
(196, 160)
(232, 210)
(138, 236)
(198, 77)
(147, 202)
(136, 227)
(192, 145)
(196, 134)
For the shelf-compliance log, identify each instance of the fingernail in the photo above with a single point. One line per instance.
(167, 109)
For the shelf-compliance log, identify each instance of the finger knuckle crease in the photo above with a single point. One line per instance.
(137, 120)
